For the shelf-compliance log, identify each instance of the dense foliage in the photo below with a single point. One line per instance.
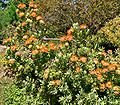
(49, 68)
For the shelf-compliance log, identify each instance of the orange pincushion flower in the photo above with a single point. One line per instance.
(60, 45)
(78, 69)
(21, 5)
(83, 26)
(99, 76)
(13, 48)
(12, 61)
(83, 59)
(21, 14)
(109, 85)
(69, 37)
(104, 63)
(63, 38)
(39, 18)
(102, 86)
(34, 52)
(46, 73)
(56, 82)
(112, 66)
(25, 36)
(7, 40)
(95, 60)
(31, 4)
(70, 31)
(104, 70)
(33, 14)
(103, 53)
(116, 88)
(43, 48)
(74, 58)
(116, 92)
(52, 46)
(23, 24)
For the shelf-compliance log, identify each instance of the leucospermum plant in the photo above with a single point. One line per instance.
(62, 69)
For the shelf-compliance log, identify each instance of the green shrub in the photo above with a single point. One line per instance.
(61, 68)
(95, 13)
(112, 31)
(8, 15)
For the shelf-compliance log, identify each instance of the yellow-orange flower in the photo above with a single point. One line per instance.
(63, 38)
(46, 73)
(116, 92)
(95, 60)
(112, 66)
(21, 14)
(116, 88)
(70, 31)
(12, 61)
(99, 76)
(55, 82)
(60, 46)
(43, 48)
(83, 59)
(83, 26)
(69, 37)
(21, 5)
(13, 48)
(34, 52)
(74, 58)
(103, 53)
(39, 18)
(78, 69)
(102, 86)
(52, 46)
(33, 14)
(104, 63)
(104, 70)
(109, 85)
(7, 40)
(23, 24)
(31, 4)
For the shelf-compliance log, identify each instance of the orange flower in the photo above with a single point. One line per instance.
(46, 73)
(116, 88)
(102, 86)
(109, 85)
(99, 76)
(21, 14)
(21, 5)
(95, 60)
(23, 24)
(28, 41)
(25, 37)
(98, 71)
(13, 48)
(112, 66)
(12, 61)
(116, 92)
(39, 18)
(69, 37)
(34, 52)
(18, 53)
(63, 38)
(104, 63)
(83, 59)
(60, 45)
(70, 31)
(104, 70)
(31, 4)
(56, 82)
(74, 58)
(15, 33)
(103, 53)
(33, 14)
(78, 69)
(92, 72)
(83, 26)
(43, 48)
(7, 40)
(52, 46)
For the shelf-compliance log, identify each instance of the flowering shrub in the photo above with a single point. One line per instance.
(62, 68)
(111, 30)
